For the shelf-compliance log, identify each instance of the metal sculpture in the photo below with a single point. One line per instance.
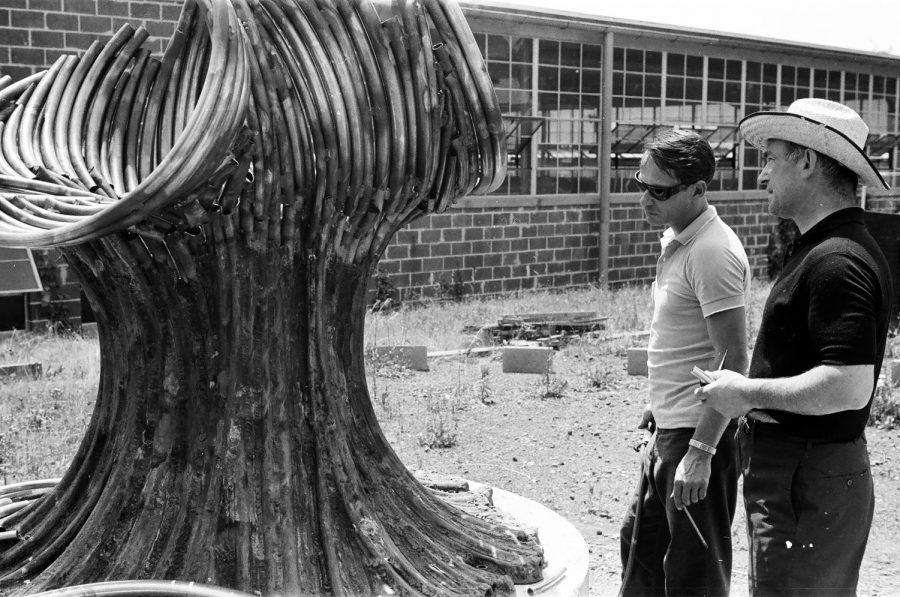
(224, 208)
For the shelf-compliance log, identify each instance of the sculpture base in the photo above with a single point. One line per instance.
(565, 550)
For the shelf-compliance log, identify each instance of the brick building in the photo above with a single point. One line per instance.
(579, 95)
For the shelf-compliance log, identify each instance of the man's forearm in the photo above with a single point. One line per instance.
(711, 426)
(822, 390)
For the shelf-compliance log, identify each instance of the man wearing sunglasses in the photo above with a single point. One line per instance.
(676, 537)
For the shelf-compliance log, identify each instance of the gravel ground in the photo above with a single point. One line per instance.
(566, 440)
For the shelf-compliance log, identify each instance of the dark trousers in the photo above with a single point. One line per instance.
(669, 558)
(809, 511)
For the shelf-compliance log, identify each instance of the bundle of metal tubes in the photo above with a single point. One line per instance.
(314, 122)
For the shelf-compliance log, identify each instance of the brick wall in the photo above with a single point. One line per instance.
(484, 246)
(34, 33)
(481, 250)
(634, 244)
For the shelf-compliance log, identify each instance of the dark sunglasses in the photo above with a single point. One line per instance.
(659, 193)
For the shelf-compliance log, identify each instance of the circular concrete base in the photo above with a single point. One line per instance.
(565, 550)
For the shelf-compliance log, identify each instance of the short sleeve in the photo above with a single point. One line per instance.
(719, 276)
(844, 299)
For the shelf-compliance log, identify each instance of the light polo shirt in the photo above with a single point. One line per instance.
(702, 271)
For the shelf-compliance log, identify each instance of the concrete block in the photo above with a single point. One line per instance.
(637, 361)
(411, 357)
(33, 370)
(527, 359)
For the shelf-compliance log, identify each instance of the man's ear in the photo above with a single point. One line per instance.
(808, 162)
(699, 188)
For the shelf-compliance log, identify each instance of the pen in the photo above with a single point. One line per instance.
(694, 524)
(722, 363)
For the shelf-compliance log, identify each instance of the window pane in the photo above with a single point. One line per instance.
(499, 73)
(547, 103)
(548, 78)
(821, 78)
(803, 77)
(787, 96)
(482, 43)
(788, 75)
(497, 47)
(570, 54)
(618, 58)
(634, 84)
(716, 68)
(653, 86)
(521, 49)
(674, 87)
(753, 71)
(590, 81)
(569, 101)
(695, 66)
(693, 89)
(546, 182)
(733, 70)
(521, 76)
(654, 62)
(675, 64)
(733, 93)
(862, 83)
(634, 60)
(715, 91)
(592, 56)
(569, 80)
(548, 52)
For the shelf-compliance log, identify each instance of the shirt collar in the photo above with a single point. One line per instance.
(848, 215)
(691, 230)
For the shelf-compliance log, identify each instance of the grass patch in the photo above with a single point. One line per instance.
(43, 420)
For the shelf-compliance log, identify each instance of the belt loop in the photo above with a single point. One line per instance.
(746, 425)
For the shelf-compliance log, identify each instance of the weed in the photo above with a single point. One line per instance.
(554, 386)
(386, 294)
(885, 412)
(442, 425)
(483, 386)
(602, 374)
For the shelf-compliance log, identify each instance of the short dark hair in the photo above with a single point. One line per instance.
(683, 154)
(836, 174)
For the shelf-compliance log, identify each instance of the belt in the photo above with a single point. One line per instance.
(766, 426)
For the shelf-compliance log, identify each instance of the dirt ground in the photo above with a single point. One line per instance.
(566, 441)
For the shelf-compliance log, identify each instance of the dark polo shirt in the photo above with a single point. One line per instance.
(830, 305)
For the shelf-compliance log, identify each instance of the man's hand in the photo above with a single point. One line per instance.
(647, 420)
(691, 478)
(725, 394)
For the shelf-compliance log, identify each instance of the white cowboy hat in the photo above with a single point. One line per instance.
(828, 127)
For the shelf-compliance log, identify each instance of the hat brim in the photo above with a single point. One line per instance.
(759, 127)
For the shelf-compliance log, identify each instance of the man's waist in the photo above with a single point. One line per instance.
(762, 423)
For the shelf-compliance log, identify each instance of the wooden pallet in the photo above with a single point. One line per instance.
(549, 329)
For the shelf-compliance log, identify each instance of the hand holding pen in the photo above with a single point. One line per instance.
(703, 376)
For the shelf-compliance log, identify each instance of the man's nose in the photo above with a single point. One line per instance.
(645, 199)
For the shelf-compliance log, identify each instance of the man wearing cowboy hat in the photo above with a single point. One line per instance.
(807, 484)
